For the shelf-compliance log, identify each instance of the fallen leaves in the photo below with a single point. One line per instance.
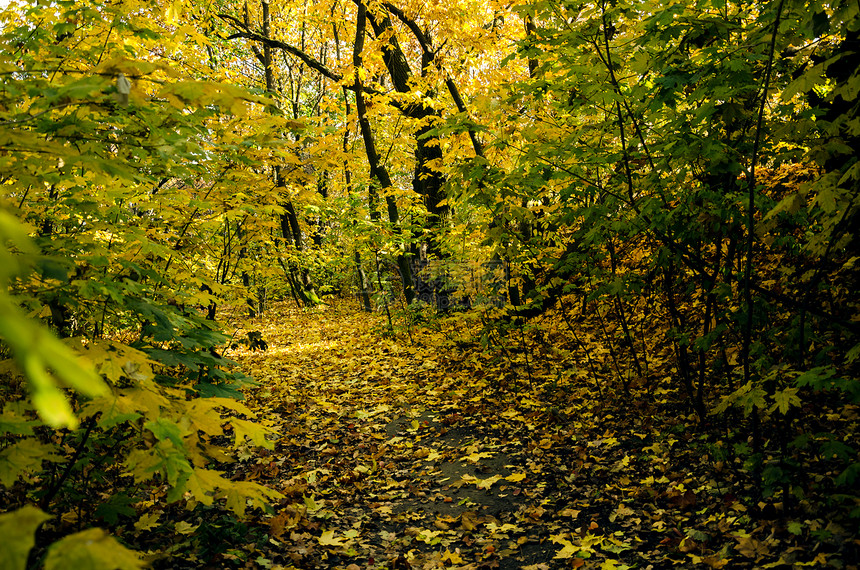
(327, 539)
(385, 461)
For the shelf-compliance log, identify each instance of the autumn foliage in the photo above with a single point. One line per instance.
(429, 285)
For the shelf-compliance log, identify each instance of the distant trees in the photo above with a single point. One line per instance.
(400, 76)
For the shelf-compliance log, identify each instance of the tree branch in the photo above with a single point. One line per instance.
(244, 32)
(430, 55)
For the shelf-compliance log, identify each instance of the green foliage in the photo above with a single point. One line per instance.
(695, 163)
(115, 171)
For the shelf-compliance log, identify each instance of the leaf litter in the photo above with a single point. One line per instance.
(419, 452)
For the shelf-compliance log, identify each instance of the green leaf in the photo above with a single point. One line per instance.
(747, 397)
(177, 467)
(816, 377)
(18, 530)
(53, 269)
(45, 360)
(13, 421)
(785, 399)
(117, 506)
(837, 450)
(849, 476)
(164, 429)
(92, 549)
(820, 24)
(827, 198)
(24, 457)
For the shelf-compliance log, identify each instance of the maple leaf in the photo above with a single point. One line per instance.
(23, 458)
(19, 528)
(147, 521)
(488, 482)
(752, 548)
(254, 432)
(622, 511)
(477, 456)
(785, 399)
(91, 549)
(327, 539)
(568, 550)
(452, 557)
(312, 505)
(202, 484)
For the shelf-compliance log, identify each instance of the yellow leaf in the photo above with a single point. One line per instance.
(183, 527)
(312, 505)
(233, 405)
(240, 492)
(52, 404)
(89, 550)
(426, 535)
(254, 432)
(505, 528)
(147, 521)
(568, 551)
(171, 15)
(475, 457)
(452, 557)
(239, 107)
(469, 521)
(18, 530)
(203, 417)
(24, 457)
(488, 482)
(516, 477)
(203, 483)
(328, 539)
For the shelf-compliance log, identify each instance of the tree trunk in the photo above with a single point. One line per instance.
(377, 168)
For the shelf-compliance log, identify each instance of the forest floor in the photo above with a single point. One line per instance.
(422, 449)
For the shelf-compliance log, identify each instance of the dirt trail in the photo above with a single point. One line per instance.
(373, 444)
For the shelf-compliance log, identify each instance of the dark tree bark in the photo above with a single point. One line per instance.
(426, 182)
(377, 168)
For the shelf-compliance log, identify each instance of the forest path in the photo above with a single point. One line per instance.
(400, 453)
